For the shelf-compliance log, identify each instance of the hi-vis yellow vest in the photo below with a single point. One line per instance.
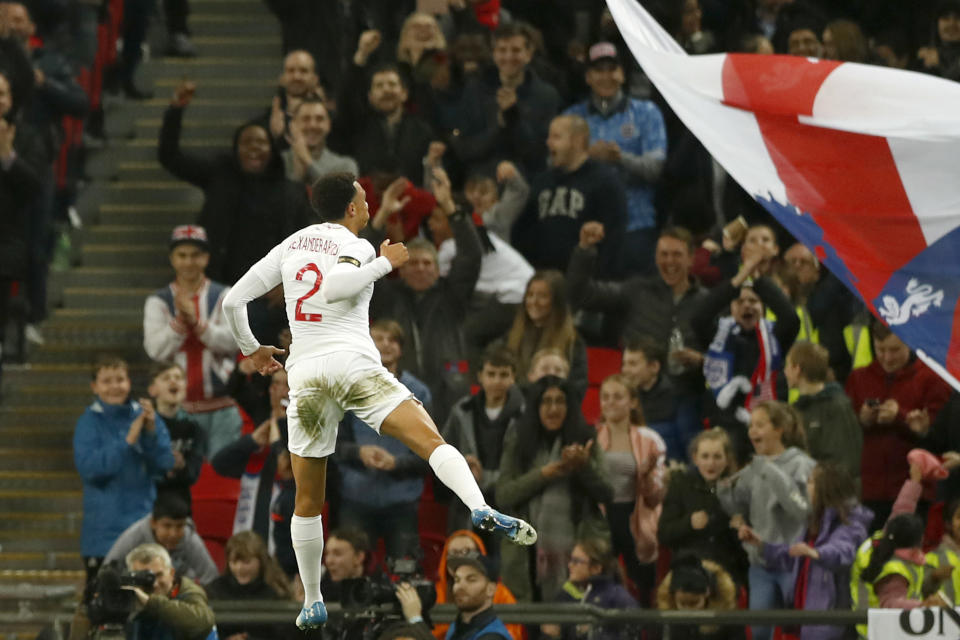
(862, 593)
(857, 339)
(943, 557)
(807, 332)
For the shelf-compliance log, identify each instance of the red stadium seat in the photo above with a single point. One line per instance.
(218, 551)
(591, 405)
(601, 362)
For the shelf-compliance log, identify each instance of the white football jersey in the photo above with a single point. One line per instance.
(320, 327)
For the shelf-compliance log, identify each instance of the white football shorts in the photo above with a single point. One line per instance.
(323, 388)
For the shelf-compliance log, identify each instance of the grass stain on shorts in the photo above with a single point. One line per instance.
(320, 401)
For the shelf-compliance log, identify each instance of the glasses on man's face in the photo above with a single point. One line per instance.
(576, 560)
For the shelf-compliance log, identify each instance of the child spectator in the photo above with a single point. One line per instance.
(770, 496)
(169, 525)
(820, 559)
(554, 477)
(461, 543)
(187, 440)
(251, 574)
(698, 585)
(591, 581)
(548, 362)
(253, 458)
(947, 554)
(643, 367)
(693, 520)
(478, 424)
(636, 465)
(889, 569)
(499, 211)
(833, 431)
(381, 479)
(119, 447)
(545, 321)
(281, 514)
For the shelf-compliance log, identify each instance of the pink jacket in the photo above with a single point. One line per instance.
(650, 453)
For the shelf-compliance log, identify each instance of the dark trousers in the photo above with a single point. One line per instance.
(396, 524)
(643, 575)
(176, 12)
(136, 19)
(92, 564)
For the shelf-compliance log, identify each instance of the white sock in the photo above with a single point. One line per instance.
(307, 537)
(453, 471)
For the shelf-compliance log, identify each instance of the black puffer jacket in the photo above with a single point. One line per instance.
(19, 184)
(688, 493)
(435, 350)
(245, 214)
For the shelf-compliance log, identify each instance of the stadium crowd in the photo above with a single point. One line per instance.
(630, 352)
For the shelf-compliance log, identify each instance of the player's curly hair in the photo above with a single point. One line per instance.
(331, 195)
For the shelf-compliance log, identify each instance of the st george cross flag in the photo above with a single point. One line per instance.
(860, 163)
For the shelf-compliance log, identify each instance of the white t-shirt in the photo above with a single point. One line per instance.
(327, 274)
(504, 273)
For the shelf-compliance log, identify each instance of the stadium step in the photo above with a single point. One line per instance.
(36, 459)
(164, 214)
(66, 560)
(128, 208)
(37, 480)
(40, 500)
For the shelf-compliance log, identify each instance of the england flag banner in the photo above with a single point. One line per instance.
(913, 624)
(860, 163)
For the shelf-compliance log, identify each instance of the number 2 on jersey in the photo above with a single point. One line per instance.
(300, 315)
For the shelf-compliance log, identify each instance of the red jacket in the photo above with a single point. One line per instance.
(883, 464)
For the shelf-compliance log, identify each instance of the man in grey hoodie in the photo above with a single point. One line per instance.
(171, 527)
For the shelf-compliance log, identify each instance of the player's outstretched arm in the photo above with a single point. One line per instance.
(261, 278)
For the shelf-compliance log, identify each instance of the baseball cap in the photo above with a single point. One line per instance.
(602, 52)
(189, 233)
(484, 564)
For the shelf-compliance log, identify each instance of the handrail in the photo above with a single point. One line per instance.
(273, 611)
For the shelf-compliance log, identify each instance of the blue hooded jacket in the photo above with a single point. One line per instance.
(118, 478)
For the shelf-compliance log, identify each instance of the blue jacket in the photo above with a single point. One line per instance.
(371, 487)
(118, 479)
(637, 128)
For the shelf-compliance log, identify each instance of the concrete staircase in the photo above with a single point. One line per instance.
(128, 210)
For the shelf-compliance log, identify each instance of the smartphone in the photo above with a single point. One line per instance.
(872, 402)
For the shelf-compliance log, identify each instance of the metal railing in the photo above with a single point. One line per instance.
(274, 611)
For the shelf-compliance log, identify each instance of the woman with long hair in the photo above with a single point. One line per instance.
(768, 499)
(251, 574)
(693, 520)
(821, 557)
(544, 320)
(636, 458)
(552, 473)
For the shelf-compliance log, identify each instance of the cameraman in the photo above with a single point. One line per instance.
(474, 583)
(177, 608)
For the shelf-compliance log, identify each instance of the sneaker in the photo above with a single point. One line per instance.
(515, 529)
(312, 617)
(32, 333)
(181, 46)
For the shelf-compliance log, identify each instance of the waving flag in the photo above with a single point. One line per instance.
(860, 163)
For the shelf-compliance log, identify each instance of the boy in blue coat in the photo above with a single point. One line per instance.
(120, 447)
